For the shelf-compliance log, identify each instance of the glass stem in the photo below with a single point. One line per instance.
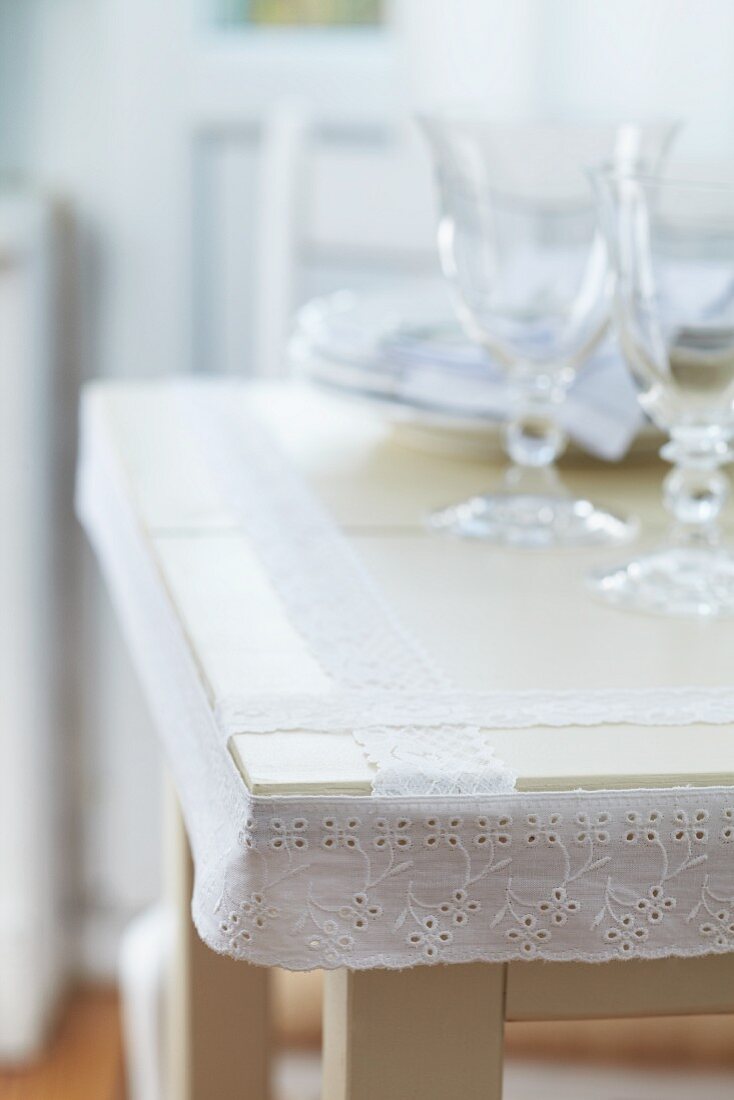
(533, 437)
(696, 490)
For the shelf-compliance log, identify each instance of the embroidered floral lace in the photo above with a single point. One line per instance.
(445, 860)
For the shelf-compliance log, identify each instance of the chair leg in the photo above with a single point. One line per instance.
(218, 1010)
(422, 1034)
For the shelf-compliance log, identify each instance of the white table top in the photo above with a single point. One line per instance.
(491, 618)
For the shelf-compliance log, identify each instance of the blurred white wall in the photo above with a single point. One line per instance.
(469, 51)
(576, 57)
(57, 137)
(672, 58)
(15, 85)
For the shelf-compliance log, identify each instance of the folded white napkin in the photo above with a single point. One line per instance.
(406, 345)
(601, 414)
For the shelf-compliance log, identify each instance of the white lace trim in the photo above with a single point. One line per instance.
(349, 627)
(487, 710)
(574, 876)
(407, 736)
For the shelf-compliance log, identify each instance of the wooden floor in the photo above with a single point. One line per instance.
(84, 1057)
(695, 1042)
(299, 1078)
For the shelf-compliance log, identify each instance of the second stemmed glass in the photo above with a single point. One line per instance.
(672, 243)
(519, 244)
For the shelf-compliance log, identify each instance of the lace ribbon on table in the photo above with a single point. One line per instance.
(408, 736)
(348, 626)
(422, 735)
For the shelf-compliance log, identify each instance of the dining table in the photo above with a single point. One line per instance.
(441, 771)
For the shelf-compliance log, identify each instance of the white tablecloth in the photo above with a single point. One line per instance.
(445, 861)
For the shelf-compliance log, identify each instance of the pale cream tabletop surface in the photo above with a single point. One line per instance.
(492, 618)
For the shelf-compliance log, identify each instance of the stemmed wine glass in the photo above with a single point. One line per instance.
(672, 245)
(519, 244)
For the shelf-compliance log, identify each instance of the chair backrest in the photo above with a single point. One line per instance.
(334, 208)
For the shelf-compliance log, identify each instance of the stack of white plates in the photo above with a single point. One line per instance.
(403, 349)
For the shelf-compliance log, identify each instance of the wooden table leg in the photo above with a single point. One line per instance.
(422, 1034)
(217, 1009)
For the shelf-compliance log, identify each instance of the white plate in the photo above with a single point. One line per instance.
(403, 351)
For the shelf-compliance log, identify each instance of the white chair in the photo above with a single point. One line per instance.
(145, 954)
(334, 208)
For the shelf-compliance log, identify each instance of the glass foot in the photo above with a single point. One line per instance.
(533, 521)
(679, 581)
